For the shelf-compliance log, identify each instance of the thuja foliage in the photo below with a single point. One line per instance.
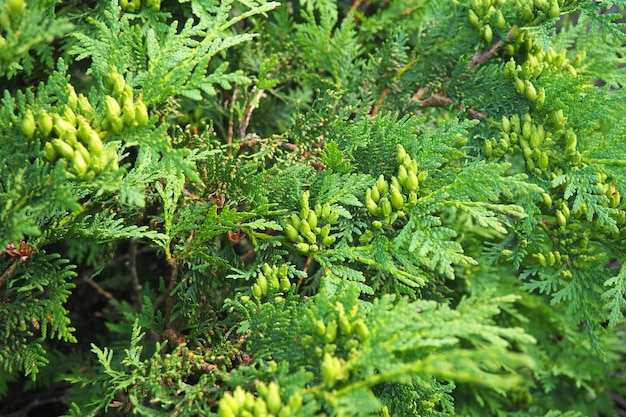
(252, 208)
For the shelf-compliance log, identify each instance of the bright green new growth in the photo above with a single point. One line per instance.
(314, 208)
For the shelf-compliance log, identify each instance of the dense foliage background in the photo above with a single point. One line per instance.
(312, 208)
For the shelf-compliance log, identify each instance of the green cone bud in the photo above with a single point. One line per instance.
(63, 148)
(117, 83)
(48, 152)
(366, 237)
(94, 143)
(28, 124)
(519, 85)
(541, 98)
(345, 326)
(273, 398)
(326, 209)
(291, 233)
(400, 154)
(402, 175)
(395, 184)
(305, 227)
(516, 124)
(80, 148)
(303, 247)
(304, 202)
(531, 93)
(382, 185)
(312, 219)
(331, 332)
(565, 210)
(320, 328)
(543, 161)
(117, 125)
(558, 118)
(310, 237)
(412, 182)
(285, 284)
(555, 11)
(113, 110)
(397, 200)
(69, 115)
(506, 124)
(79, 164)
(84, 107)
(385, 206)
(374, 193)
(261, 281)
(61, 125)
(526, 130)
(500, 21)
(128, 112)
(15, 7)
(224, 410)
(45, 123)
(331, 368)
(295, 220)
(541, 259)
(371, 206)
(488, 34)
(534, 140)
(361, 330)
(256, 291)
(473, 18)
(141, 113)
(560, 219)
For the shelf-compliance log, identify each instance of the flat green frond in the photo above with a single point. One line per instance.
(26, 41)
(106, 227)
(614, 295)
(345, 189)
(588, 198)
(601, 19)
(432, 246)
(39, 288)
(335, 160)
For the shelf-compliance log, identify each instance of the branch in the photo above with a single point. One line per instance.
(169, 298)
(132, 266)
(436, 100)
(253, 103)
(231, 123)
(480, 58)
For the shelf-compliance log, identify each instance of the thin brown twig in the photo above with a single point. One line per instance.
(169, 298)
(37, 402)
(439, 99)
(132, 266)
(253, 103)
(436, 100)
(379, 102)
(305, 269)
(231, 119)
(86, 278)
(86, 275)
(355, 5)
(8, 272)
(480, 58)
